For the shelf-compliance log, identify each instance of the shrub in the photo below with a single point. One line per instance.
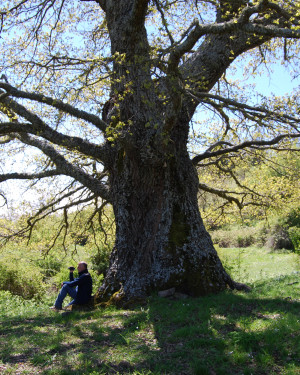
(100, 260)
(49, 265)
(9, 302)
(237, 237)
(21, 278)
(221, 238)
(294, 234)
(278, 238)
(293, 218)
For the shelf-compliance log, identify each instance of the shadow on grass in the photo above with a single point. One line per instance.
(229, 333)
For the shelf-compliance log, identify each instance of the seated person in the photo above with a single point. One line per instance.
(83, 291)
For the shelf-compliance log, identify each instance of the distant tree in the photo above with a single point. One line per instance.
(266, 181)
(107, 91)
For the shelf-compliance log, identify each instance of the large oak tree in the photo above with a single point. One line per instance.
(107, 92)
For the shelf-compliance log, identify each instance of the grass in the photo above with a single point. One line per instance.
(228, 333)
(252, 265)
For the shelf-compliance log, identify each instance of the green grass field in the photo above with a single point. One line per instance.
(228, 333)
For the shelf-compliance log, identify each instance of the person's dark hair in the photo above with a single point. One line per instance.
(85, 264)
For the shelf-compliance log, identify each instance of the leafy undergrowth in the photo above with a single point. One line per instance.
(228, 333)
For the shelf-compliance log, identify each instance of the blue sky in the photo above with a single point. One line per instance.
(279, 83)
(276, 80)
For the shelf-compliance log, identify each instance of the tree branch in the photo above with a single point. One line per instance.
(28, 176)
(58, 104)
(239, 24)
(39, 128)
(4, 199)
(11, 10)
(236, 180)
(222, 194)
(246, 144)
(256, 110)
(164, 22)
(66, 167)
(271, 31)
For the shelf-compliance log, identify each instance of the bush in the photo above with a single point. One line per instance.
(238, 237)
(50, 265)
(12, 305)
(293, 218)
(21, 278)
(278, 238)
(284, 231)
(294, 234)
(100, 260)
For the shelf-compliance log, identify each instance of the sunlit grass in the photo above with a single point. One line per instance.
(251, 265)
(230, 333)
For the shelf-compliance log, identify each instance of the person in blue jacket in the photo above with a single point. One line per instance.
(80, 289)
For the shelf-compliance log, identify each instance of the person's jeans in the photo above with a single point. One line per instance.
(66, 289)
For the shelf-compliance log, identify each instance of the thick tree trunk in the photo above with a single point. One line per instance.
(161, 241)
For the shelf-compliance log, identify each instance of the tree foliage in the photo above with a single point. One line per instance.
(266, 182)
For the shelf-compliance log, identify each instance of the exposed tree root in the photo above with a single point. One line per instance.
(122, 300)
(241, 287)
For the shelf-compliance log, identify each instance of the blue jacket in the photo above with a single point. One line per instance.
(84, 285)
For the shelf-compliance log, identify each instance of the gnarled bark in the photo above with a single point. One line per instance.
(161, 241)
